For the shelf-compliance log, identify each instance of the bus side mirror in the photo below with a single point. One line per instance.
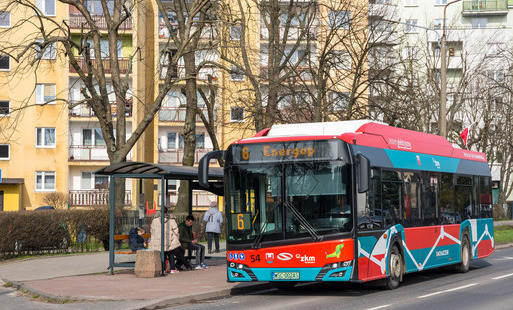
(363, 173)
(204, 165)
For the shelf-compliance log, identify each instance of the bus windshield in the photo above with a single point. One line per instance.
(278, 201)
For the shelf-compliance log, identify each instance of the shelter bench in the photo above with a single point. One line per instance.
(126, 237)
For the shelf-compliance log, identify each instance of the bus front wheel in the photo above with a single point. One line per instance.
(466, 255)
(395, 265)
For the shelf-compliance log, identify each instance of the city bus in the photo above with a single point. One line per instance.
(352, 201)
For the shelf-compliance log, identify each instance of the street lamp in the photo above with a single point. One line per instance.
(442, 118)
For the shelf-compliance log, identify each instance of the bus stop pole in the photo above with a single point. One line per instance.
(162, 214)
(190, 196)
(111, 226)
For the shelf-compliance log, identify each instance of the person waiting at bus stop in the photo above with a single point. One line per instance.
(172, 247)
(189, 243)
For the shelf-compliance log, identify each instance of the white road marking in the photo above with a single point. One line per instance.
(447, 291)
(379, 307)
(503, 276)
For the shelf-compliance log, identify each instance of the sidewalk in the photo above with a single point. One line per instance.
(84, 277)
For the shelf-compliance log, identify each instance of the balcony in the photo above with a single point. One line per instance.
(294, 33)
(77, 21)
(85, 111)
(200, 200)
(179, 72)
(209, 31)
(177, 114)
(91, 198)
(124, 64)
(490, 7)
(90, 153)
(175, 156)
(301, 73)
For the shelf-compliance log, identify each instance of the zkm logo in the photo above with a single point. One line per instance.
(306, 259)
(442, 253)
(285, 256)
(269, 257)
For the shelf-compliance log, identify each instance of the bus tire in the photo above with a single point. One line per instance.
(466, 255)
(395, 264)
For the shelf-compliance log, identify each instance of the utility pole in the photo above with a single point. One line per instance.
(442, 118)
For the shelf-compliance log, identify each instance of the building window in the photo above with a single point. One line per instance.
(338, 100)
(497, 76)
(45, 93)
(200, 141)
(235, 32)
(95, 6)
(411, 26)
(5, 19)
(5, 151)
(171, 140)
(48, 53)
(341, 60)
(5, 108)
(5, 63)
(410, 3)
(480, 22)
(411, 52)
(439, 23)
(86, 180)
(236, 74)
(101, 182)
(339, 19)
(92, 136)
(45, 181)
(236, 114)
(440, 2)
(45, 137)
(46, 6)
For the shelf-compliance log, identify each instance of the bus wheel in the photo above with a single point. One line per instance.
(395, 264)
(464, 266)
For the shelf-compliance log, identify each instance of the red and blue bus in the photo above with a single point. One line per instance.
(351, 201)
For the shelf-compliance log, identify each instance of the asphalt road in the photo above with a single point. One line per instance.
(488, 285)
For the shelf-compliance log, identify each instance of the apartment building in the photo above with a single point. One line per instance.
(478, 35)
(55, 148)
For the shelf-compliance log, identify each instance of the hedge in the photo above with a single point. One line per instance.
(52, 231)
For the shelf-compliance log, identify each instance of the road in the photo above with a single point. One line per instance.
(488, 285)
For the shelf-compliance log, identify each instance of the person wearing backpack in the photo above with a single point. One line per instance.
(214, 219)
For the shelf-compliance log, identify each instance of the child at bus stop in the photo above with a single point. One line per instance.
(136, 240)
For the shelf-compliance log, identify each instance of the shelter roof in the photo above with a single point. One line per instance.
(151, 170)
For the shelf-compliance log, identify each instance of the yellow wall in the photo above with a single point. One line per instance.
(12, 197)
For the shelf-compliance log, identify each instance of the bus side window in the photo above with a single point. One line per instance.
(430, 193)
(369, 208)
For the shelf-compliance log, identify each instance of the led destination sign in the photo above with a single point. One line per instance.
(286, 151)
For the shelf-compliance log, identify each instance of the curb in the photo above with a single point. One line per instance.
(22, 287)
(212, 295)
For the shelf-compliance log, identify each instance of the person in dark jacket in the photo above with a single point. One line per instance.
(188, 242)
(136, 240)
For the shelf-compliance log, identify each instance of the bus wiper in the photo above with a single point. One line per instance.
(303, 221)
(258, 238)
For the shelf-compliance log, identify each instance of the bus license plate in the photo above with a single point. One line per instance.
(292, 275)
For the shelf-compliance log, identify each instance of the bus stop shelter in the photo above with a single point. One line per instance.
(142, 170)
